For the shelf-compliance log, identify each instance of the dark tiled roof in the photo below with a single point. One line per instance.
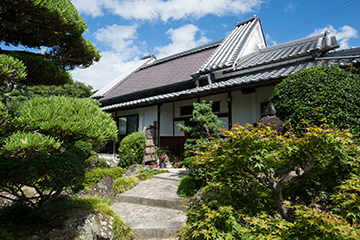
(164, 72)
(342, 57)
(255, 77)
(274, 72)
(310, 46)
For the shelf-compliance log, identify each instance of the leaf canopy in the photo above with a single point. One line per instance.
(53, 26)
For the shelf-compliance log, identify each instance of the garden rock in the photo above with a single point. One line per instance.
(103, 188)
(269, 118)
(132, 171)
(88, 225)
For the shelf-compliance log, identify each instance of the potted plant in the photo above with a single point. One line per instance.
(153, 164)
(162, 161)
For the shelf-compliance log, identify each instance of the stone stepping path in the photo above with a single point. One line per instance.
(152, 208)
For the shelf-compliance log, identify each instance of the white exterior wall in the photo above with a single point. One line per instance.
(246, 108)
(218, 98)
(166, 120)
(147, 115)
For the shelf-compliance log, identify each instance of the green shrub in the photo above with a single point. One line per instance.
(4, 235)
(269, 185)
(144, 176)
(132, 149)
(45, 142)
(95, 175)
(83, 150)
(317, 95)
(206, 126)
(124, 184)
(188, 187)
(101, 163)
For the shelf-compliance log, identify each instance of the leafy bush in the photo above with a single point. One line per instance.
(132, 149)
(95, 175)
(67, 119)
(45, 144)
(205, 126)
(41, 174)
(319, 94)
(278, 186)
(188, 187)
(83, 150)
(124, 184)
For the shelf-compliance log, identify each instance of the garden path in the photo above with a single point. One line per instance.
(153, 208)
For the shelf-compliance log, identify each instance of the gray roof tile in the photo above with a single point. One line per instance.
(228, 51)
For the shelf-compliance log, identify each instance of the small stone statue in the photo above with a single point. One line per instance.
(269, 118)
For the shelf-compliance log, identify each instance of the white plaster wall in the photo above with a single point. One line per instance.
(179, 104)
(264, 93)
(241, 107)
(246, 108)
(218, 98)
(147, 115)
(166, 120)
(254, 42)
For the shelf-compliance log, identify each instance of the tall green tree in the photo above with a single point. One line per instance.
(72, 89)
(42, 140)
(46, 37)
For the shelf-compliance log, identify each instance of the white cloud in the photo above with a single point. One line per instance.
(182, 38)
(125, 51)
(165, 10)
(270, 39)
(343, 34)
(289, 7)
(109, 67)
(89, 7)
(119, 38)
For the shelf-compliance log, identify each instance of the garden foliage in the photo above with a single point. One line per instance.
(132, 149)
(317, 95)
(204, 126)
(124, 184)
(95, 175)
(49, 142)
(267, 185)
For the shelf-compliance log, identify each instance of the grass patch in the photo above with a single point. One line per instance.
(19, 219)
(95, 175)
(148, 174)
(124, 184)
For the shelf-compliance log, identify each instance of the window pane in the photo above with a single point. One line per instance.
(122, 125)
(132, 124)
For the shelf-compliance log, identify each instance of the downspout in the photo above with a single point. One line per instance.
(229, 101)
(114, 143)
(158, 124)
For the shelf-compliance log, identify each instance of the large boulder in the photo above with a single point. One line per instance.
(103, 188)
(132, 171)
(88, 225)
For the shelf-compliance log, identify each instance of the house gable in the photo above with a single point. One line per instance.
(247, 37)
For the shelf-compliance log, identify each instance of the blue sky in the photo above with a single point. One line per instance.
(126, 30)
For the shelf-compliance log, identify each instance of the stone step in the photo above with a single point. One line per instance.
(156, 192)
(150, 222)
(151, 208)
